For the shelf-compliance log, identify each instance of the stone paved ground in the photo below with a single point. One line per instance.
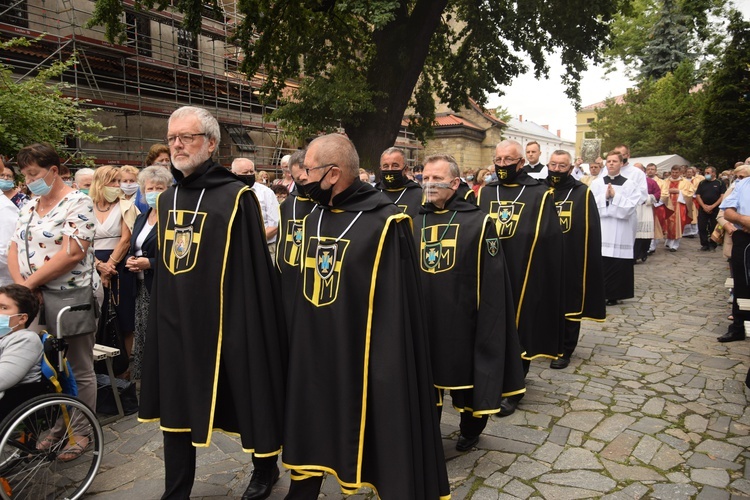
(652, 406)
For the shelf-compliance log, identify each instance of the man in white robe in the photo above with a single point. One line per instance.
(617, 199)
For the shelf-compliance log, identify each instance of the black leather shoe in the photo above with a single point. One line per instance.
(465, 444)
(731, 337)
(508, 406)
(261, 484)
(559, 363)
(612, 302)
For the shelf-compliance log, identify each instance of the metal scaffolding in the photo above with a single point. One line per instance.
(137, 83)
(157, 67)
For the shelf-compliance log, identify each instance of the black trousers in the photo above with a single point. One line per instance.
(570, 340)
(640, 248)
(179, 465)
(470, 425)
(740, 264)
(305, 489)
(706, 226)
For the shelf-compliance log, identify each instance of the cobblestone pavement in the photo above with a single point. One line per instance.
(652, 406)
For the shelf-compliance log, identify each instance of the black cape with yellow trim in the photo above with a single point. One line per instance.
(466, 193)
(360, 397)
(529, 230)
(408, 199)
(469, 302)
(583, 270)
(291, 213)
(214, 353)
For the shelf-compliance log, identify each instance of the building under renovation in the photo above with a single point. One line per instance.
(158, 67)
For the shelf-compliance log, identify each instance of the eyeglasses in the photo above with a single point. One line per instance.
(307, 169)
(7, 177)
(184, 138)
(561, 166)
(391, 166)
(506, 161)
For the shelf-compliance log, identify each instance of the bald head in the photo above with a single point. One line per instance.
(332, 162)
(243, 166)
(334, 149)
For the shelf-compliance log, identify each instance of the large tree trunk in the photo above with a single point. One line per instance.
(401, 53)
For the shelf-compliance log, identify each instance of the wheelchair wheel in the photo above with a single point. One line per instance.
(33, 438)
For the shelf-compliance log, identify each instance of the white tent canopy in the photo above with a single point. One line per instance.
(663, 163)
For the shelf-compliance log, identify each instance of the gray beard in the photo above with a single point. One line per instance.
(196, 161)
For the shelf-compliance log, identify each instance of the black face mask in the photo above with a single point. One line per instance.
(301, 190)
(248, 179)
(318, 194)
(506, 174)
(393, 179)
(556, 178)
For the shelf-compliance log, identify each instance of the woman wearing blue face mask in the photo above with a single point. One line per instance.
(52, 246)
(20, 349)
(142, 260)
(479, 179)
(9, 188)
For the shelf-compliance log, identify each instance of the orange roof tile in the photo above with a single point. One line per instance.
(454, 120)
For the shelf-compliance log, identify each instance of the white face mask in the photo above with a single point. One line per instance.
(129, 188)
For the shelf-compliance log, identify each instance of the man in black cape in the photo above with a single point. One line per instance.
(466, 193)
(293, 210)
(583, 274)
(470, 313)
(529, 230)
(394, 183)
(360, 399)
(214, 353)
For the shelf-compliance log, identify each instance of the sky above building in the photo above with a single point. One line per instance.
(544, 101)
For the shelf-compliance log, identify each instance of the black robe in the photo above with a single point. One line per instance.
(214, 353)
(470, 313)
(292, 211)
(360, 397)
(529, 231)
(466, 193)
(408, 198)
(583, 270)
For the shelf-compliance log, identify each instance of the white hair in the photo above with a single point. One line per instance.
(210, 125)
(83, 171)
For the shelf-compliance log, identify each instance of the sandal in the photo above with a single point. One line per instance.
(47, 442)
(73, 451)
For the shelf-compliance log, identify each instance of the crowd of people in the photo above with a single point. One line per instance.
(330, 313)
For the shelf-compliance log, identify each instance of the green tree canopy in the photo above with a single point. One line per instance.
(34, 110)
(652, 37)
(362, 63)
(658, 117)
(668, 44)
(726, 116)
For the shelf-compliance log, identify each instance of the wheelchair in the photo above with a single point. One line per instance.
(31, 466)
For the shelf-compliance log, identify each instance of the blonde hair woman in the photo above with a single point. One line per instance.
(129, 181)
(111, 244)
